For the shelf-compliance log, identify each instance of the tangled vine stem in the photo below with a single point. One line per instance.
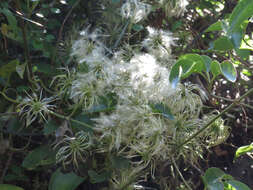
(236, 102)
(180, 174)
(70, 119)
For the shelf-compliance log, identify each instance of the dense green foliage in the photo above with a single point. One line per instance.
(122, 95)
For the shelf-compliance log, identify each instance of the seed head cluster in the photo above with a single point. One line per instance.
(150, 118)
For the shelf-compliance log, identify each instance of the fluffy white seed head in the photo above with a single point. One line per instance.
(135, 10)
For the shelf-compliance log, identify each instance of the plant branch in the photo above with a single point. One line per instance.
(236, 102)
(70, 119)
(9, 99)
(180, 174)
(26, 47)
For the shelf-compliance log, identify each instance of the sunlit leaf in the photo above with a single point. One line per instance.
(237, 185)
(175, 74)
(243, 150)
(238, 21)
(193, 63)
(228, 70)
(217, 26)
(242, 11)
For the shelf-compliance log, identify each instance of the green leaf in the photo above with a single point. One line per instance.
(68, 181)
(213, 179)
(9, 68)
(163, 110)
(50, 127)
(223, 44)
(185, 66)
(10, 18)
(191, 63)
(243, 53)
(207, 61)
(217, 26)
(85, 119)
(20, 69)
(238, 185)
(238, 21)
(215, 68)
(137, 27)
(120, 163)
(243, 150)
(175, 74)
(228, 70)
(98, 178)
(39, 156)
(9, 187)
(46, 69)
(242, 11)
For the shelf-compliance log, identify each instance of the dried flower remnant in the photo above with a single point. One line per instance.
(86, 89)
(74, 149)
(63, 82)
(174, 7)
(88, 49)
(159, 40)
(135, 130)
(148, 78)
(34, 106)
(135, 10)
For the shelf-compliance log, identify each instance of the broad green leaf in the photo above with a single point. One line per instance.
(243, 150)
(223, 44)
(237, 185)
(197, 64)
(238, 21)
(217, 26)
(213, 179)
(228, 70)
(185, 66)
(98, 178)
(242, 11)
(236, 38)
(9, 187)
(39, 156)
(68, 181)
(215, 68)
(207, 61)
